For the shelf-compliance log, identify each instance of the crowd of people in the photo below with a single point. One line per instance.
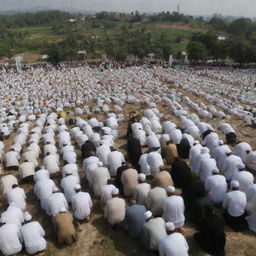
(172, 172)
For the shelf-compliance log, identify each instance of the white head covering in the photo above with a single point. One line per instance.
(169, 226)
(205, 150)
(196, 142)
(77, 186)
(142, 177)
(147, 215)
(27, 216)
(115, 192)
(221, 142)
(55, 189)
(170, 189)
(234, 184)
(214, 171)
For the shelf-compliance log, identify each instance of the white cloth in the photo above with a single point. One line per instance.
(51, 163)
(27, 169)
(235, 203)
(41, 175)
(13, 214)
(173, 245)
(11, 159)
(250, 160)
(155, 161)
(18, 197)
(115, 160)
(144, 166)
(33, 237)
(206, 167)
(10, 232)
(68, 183)
(55, 202)
(231, 166)
(6, 183)
(81, 205)
(106, 194)
(245, 180)
(102, 153)
(216, 186)
(140, 193)
(241, 148)
(100, 176)
(174, 211)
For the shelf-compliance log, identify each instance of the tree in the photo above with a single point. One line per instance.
(196, 51)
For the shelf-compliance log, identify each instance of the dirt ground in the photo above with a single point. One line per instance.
(97, 238)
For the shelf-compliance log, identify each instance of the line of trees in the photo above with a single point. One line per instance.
(240, 44)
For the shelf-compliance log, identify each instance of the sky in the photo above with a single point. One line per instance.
(193, 7)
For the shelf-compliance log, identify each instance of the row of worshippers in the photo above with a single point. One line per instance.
(17, 226)
(212, 95)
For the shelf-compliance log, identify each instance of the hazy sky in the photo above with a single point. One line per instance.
(195, 7)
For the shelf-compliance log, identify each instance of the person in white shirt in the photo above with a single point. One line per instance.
(231, 165)
(245, 179)
(220, 153)
(11, 160)
(115, 160)
(250, 161)
(102, 153)
(106, 193)
(68, 183)
(141, 190)
(17, 196)
(27, 171)
(50, 148)
(32, 235)
(7, 182)
(174, 208)
(69, 157)
(175, 136)
(242, 149)
(41, 174)
(204, 156)
(13, 214)
(153, 231)
(206, 167)
(30, 156)
(144, 166)
(10, 232)
(51, 163)
(55, 202)
(43, 190)
(234, 204)
(81, 204)
(216, 186)
(174, 244)
(155, 161)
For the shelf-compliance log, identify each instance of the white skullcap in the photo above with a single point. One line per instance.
(170, 189)
(77, 186)
(42, 167)
(169, 226)
(142, 177)
(221, 142)
(115, 192)
(205, 150)
(55, 189)
(214, 171)
(27, 216)
(147, 215)
(196, 142)
(234, 184)
(63, 209)
(2, 220)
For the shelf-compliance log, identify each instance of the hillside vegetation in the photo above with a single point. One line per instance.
(61, 35)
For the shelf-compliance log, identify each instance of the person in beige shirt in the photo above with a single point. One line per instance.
(64, 227)
(170, 152)
(129, 180)
(162, 179)
(114, 210)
